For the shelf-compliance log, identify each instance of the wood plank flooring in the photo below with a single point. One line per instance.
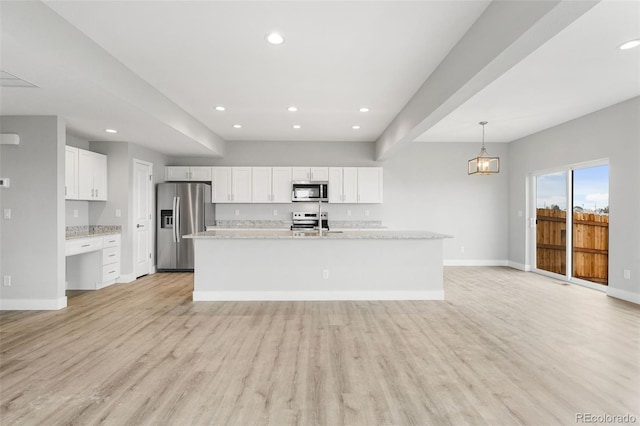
(504, 348)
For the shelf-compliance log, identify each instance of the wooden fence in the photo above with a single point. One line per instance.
(590, 244)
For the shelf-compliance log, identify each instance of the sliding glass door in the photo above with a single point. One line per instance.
(574, 199)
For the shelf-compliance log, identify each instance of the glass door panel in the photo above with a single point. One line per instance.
(551, 222)
(590, 242)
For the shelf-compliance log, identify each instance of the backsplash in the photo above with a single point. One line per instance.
(90, 230)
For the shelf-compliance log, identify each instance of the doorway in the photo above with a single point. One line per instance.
(571, 222)
(142, 217)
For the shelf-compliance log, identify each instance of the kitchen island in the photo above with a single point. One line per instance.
(292, 265)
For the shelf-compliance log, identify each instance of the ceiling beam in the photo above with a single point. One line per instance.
(43, 37)
(505, 33)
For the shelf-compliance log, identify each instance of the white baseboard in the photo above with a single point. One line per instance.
(520, 266)
(33, 304)
(128, 278)
(475, 262)
(152, 270)
(624, 295)
(219, 296)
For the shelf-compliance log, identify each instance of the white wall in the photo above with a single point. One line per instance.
(120, 156)
(32, 241)
(612, 133)
(426, 186)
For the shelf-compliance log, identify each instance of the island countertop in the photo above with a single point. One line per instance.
(373, 234)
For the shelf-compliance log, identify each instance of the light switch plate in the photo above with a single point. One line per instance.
(5, 182)
(7, 213)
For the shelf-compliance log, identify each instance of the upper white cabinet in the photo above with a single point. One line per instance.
(231, 184)
(70, 173)
(92, 176)
(355, 185)
(310, 173)
(369, 185)
(187, 174)
(271, 184)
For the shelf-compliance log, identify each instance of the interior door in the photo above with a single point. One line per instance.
(142, 211)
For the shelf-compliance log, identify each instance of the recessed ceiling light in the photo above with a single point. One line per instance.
(355, 127)
(220, 108)
(292, 109)
(296, 126)
(237, 126)
(364, 109)
(111, 130)
(630, 44)
(275, 38)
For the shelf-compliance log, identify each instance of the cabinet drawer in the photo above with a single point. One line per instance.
(82, 245)
(110, 255)
(112, 240)
(110, 272)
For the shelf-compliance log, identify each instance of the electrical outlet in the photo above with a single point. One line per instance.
(519, 213)
(461, 249)
(7, 281)
(275, 212)
(348, 212)
(5, 183)
(627, 274)
(7, 213)
(325, 274)
(366, 212)
(237, 212)
(118, 212)
(75, 212)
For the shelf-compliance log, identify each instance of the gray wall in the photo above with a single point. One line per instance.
(612, 133)
(120, 156)
(32, 242)
(426, 186)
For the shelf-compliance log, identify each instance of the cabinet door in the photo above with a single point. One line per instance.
(178, 173)
(335, 185)
(370, 185)
(281, 185)
(319, 173)
(221, 185)
(350, 185)
(200, 174)
(99, 177)
(261, 184)
(300, 173)
(241, 184)
(70, 173)
(85, 175)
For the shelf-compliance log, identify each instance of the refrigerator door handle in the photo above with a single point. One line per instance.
(174, 218)
(176, 225)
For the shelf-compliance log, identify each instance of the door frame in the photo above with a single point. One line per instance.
(151, 220)
(532, 234)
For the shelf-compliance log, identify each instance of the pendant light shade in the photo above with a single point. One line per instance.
(483, 164)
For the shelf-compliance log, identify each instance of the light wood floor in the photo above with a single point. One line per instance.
(505, 348)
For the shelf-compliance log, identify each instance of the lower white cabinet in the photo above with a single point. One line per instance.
(92, 262)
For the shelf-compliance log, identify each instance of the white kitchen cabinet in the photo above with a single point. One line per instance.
(231, 185)
(187, 174)
(92, 176)
(281, 184)
(343, 185)
(310, 173)
(70, 173)
(271, 185)
(369, 185)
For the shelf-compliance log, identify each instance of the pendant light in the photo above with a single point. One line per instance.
(483, 164)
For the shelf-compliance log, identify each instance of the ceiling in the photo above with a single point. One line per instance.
(155, 70)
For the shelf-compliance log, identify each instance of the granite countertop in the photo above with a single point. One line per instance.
(72, 232)
(333, 235)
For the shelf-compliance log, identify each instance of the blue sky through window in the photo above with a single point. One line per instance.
(590, 188)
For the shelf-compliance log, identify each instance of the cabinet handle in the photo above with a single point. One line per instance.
(65, 191)
(92, 191)
(112, 272)
(96, 193)
(111, 255)
(85, 245)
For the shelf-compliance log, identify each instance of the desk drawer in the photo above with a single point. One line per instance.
(82, 245)
(110, 255)
(112, 240)
(110, 272)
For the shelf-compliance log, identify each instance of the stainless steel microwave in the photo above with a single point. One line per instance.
(310, 191)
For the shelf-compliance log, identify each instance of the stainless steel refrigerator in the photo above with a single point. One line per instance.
(183, 208)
